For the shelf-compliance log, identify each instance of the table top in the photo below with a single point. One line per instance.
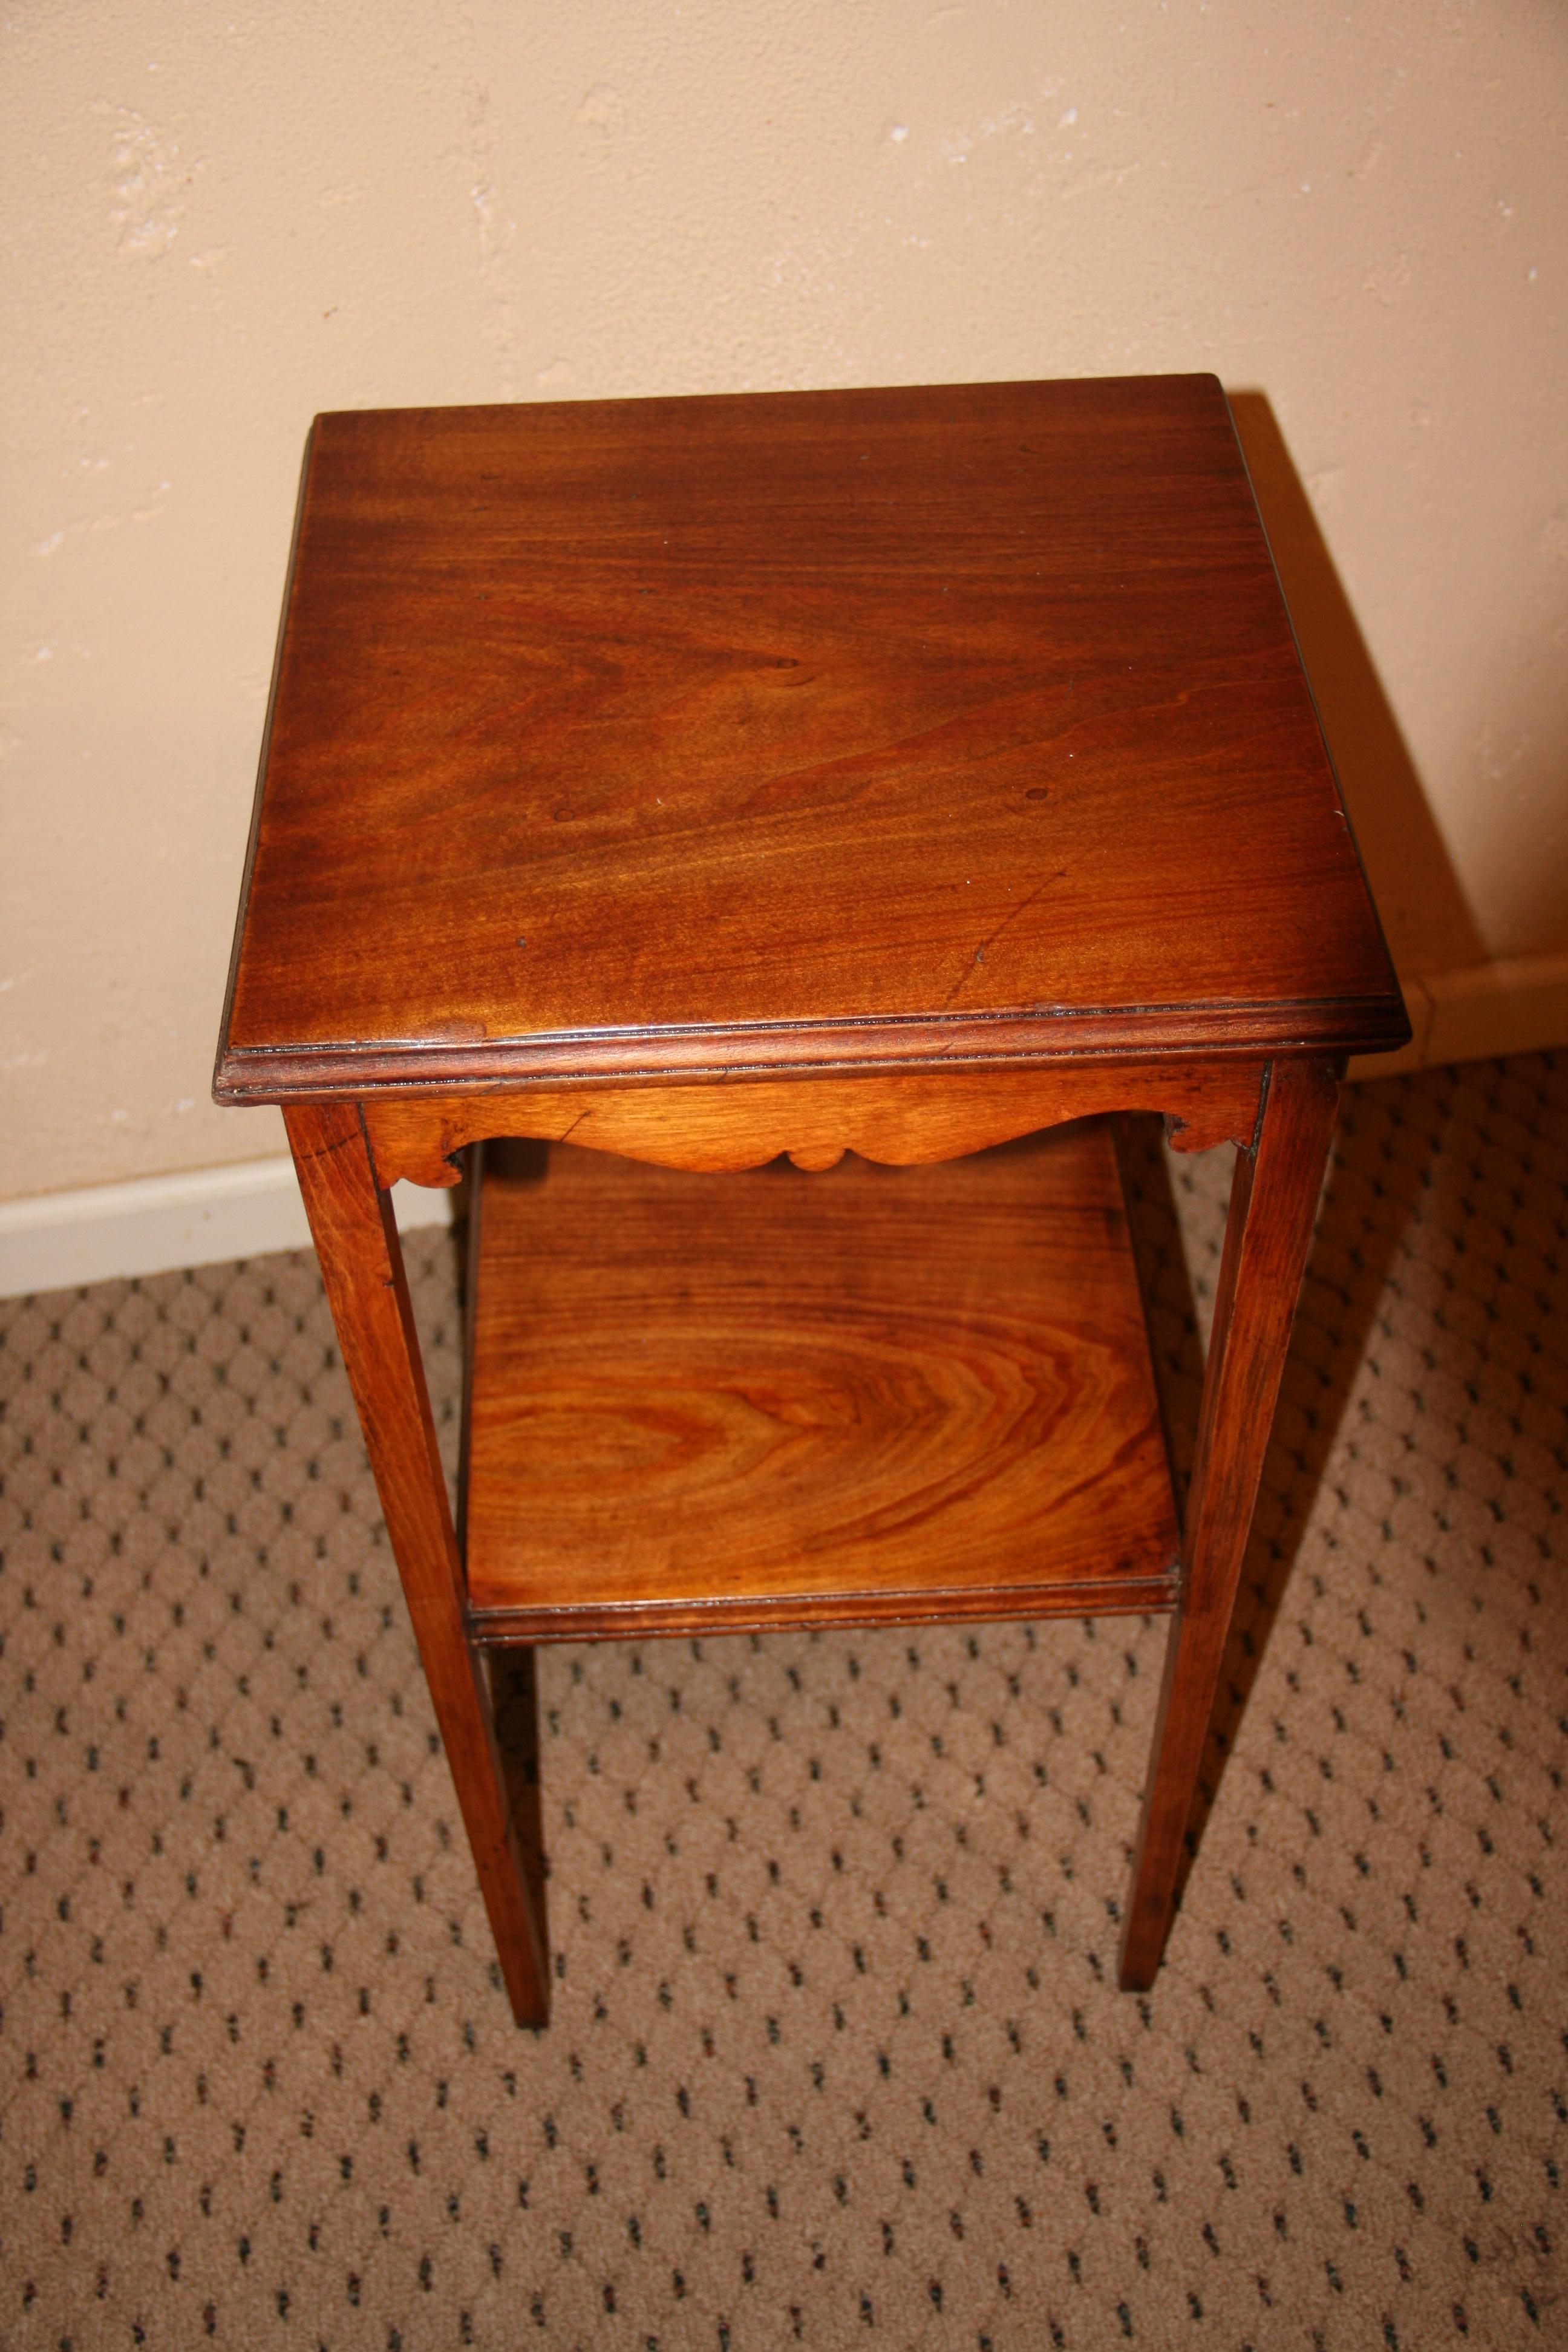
(790, 731)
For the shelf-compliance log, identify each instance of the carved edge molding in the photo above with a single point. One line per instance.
(898, 1120)
(628, 1620)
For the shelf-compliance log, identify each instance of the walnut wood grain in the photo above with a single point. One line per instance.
(362, 1267)
(895, 1120)
(1274, 1201)
(872, 772)
(872, 1392)
(795, 730)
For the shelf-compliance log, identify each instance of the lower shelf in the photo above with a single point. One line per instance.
(861, 1395)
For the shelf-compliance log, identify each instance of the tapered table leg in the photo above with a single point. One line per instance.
(1273, 1201)
(362, 1267)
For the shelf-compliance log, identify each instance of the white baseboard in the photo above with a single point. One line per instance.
(1515, 1006)
(58, 1241)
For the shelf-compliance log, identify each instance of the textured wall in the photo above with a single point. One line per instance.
(218, 226)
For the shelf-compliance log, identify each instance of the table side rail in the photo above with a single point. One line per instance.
(899, 1120)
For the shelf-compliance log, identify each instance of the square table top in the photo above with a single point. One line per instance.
(790, 731)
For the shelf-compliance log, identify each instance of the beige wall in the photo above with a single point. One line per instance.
(217, 224)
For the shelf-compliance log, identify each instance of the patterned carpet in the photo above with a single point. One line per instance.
(835, 2056)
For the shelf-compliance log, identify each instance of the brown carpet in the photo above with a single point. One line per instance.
(836, 2057)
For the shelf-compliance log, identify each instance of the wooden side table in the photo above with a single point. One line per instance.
(728, 785)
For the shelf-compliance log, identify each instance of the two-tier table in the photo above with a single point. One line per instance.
(806, 817)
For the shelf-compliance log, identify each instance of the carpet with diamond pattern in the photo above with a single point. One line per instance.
(837, 2057)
